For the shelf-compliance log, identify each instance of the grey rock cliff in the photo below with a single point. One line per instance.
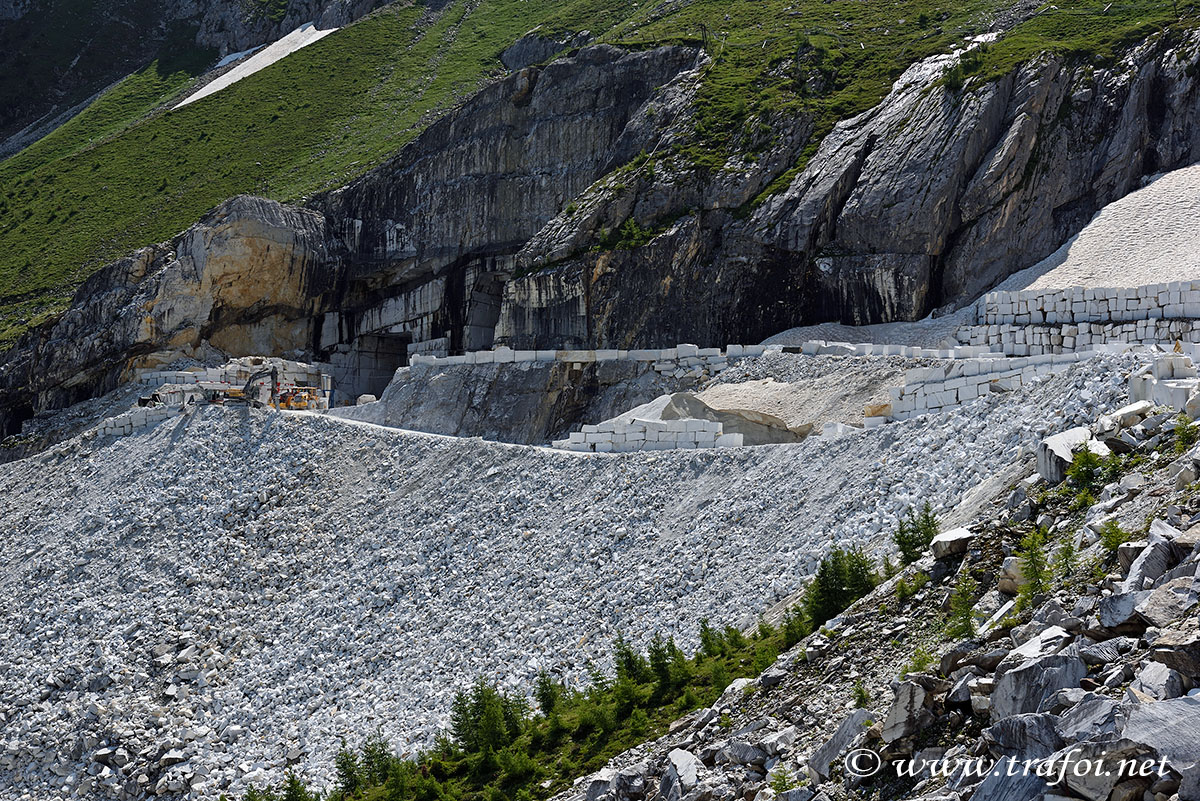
(926, 200)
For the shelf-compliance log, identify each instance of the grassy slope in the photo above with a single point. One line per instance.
(119, 177)
(108, 181)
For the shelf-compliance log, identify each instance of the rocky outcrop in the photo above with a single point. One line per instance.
(246, 279)
(428, 237)
(923, 201)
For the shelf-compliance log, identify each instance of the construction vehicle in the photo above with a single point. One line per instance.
(299, 398)
(249, 393)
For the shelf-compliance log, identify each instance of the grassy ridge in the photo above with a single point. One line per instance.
(121, 175)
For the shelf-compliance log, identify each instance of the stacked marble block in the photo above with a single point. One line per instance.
(439, 347)
(1169, 380)
(818, 347)
(236, 373)
(935, 389)
(135, 419)
(1031, 322)
(679, 361)
(649, 435)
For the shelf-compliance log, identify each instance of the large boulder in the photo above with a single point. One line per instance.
(1170, 601)
(1009, 781)
(1171, 729)
(1179, 648)
(1023, 688)
(954, 542)
(1092, 715)
(847, 732)
(1159, 682)
(1153, 561)
(1049, 641)
(681, 774)
(1027, 736)
(904, 716)
(1055, 453)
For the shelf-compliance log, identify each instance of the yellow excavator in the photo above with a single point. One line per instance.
(249, 393)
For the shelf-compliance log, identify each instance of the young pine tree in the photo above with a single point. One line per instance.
(1035, 572)
(349, 777)
(915, 533)
(961, 622)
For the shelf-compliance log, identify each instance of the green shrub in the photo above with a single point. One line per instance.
(862, 698)
(1086, 469)
(920, 661)
(796, 626)
(711, 642)
(735, 638)
(842, 578)
(349, 780)
(629, 663)
(546, 692)
(915, 533)
(908, 587)
(719, 676)
(294, 789)
(1186, 433)
(1066, 560)
(486, 718)
(961, 622)
(375, 760)
(1084, 500)
(1112, 536)
(1035, 574)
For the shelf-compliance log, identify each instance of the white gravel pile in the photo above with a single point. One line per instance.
(193, 606)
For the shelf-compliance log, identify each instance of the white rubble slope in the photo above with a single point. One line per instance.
(229, 590)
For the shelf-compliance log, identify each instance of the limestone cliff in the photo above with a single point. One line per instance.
(557, 208)
(245, 279)
(926, 200)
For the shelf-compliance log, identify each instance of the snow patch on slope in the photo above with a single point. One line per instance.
(301, 37)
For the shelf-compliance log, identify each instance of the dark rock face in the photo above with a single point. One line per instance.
(435, 227)
(926, 200)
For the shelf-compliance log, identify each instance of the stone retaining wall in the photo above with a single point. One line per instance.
(1176, 300)
(649, 435)
(935, 389)
(135, 419)
(1032, 322)
(1033, 340)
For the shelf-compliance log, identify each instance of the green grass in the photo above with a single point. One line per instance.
(127, 173)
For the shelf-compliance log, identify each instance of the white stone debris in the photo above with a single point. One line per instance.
(233, 592)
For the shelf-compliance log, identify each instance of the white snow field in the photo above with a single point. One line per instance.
(303, 36)
(230, 589)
